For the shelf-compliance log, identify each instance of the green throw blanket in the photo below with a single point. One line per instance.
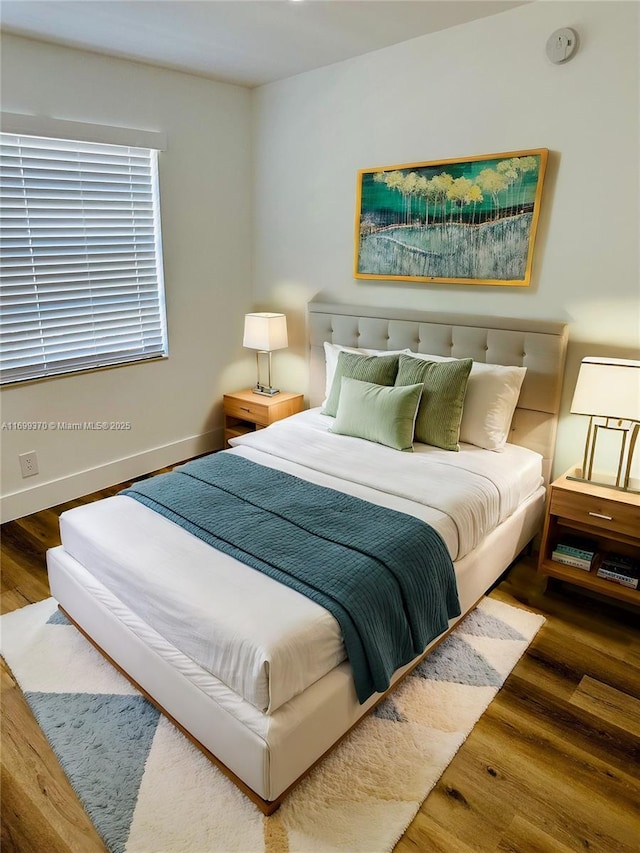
(385, 576)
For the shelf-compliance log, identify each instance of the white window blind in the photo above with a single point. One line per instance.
(81, 260)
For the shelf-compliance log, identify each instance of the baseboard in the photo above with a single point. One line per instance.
(54, 492)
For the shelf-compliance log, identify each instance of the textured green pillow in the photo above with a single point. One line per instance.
(380, 369)
(379, 413)
(440, 412)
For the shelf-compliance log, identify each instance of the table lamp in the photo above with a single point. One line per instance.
(265, 332)
(608, 392)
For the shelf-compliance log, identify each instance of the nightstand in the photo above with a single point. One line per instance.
(245, 411)
(610, 517)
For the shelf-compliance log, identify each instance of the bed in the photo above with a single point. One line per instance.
(267, 698)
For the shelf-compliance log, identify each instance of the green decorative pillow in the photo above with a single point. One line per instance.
(384, 414)
(440, 412)
(379, 369)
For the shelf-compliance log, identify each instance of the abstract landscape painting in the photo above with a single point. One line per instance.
(470, 221)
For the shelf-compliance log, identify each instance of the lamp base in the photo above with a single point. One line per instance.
(628, 432)
(576, 476)
(261, 388)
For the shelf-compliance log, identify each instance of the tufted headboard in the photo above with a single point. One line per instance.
(538, 345)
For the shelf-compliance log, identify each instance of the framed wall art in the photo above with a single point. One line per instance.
(463, 221)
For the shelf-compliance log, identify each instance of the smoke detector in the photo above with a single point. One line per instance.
(561, 45)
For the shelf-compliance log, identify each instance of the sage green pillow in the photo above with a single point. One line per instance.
(440, 412)
(384, 414)
(380, 369)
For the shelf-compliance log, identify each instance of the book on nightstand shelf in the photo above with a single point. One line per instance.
(569, 560)
(621, 569)
(575, 562)
(576, 551)
(577, 546)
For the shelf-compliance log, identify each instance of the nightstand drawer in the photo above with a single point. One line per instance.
(608, 515)
(254, 411)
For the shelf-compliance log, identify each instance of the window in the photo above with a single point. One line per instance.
(81, 281)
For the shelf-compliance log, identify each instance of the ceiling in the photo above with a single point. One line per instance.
(248, 42)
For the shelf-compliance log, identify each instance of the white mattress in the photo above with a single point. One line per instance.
(270, 645)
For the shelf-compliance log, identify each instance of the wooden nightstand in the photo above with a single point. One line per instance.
(609, 516)
(245, 411)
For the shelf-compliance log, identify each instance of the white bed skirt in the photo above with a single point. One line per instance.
(267, 753)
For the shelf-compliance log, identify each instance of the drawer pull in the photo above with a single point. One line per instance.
(245, 409)
(600, 515)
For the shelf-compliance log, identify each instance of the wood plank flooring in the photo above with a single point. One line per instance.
(553, 765)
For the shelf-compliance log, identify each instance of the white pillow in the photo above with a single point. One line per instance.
(331, 360)
(490, 401)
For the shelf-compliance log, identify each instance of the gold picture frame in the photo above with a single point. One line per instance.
(470, 220)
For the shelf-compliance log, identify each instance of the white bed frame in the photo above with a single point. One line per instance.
(303, 730)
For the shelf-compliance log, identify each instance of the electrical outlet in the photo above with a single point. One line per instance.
(28, 463)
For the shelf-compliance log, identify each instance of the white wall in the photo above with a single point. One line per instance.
(174, 406)
(480, 88)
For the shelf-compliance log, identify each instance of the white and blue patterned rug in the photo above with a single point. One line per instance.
(146, 788)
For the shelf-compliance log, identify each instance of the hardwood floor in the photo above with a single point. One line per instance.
(553, 765)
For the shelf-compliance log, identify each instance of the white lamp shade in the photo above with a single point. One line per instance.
(608, 387)
(265, 331)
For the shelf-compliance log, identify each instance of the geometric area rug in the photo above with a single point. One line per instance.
(147, 788)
